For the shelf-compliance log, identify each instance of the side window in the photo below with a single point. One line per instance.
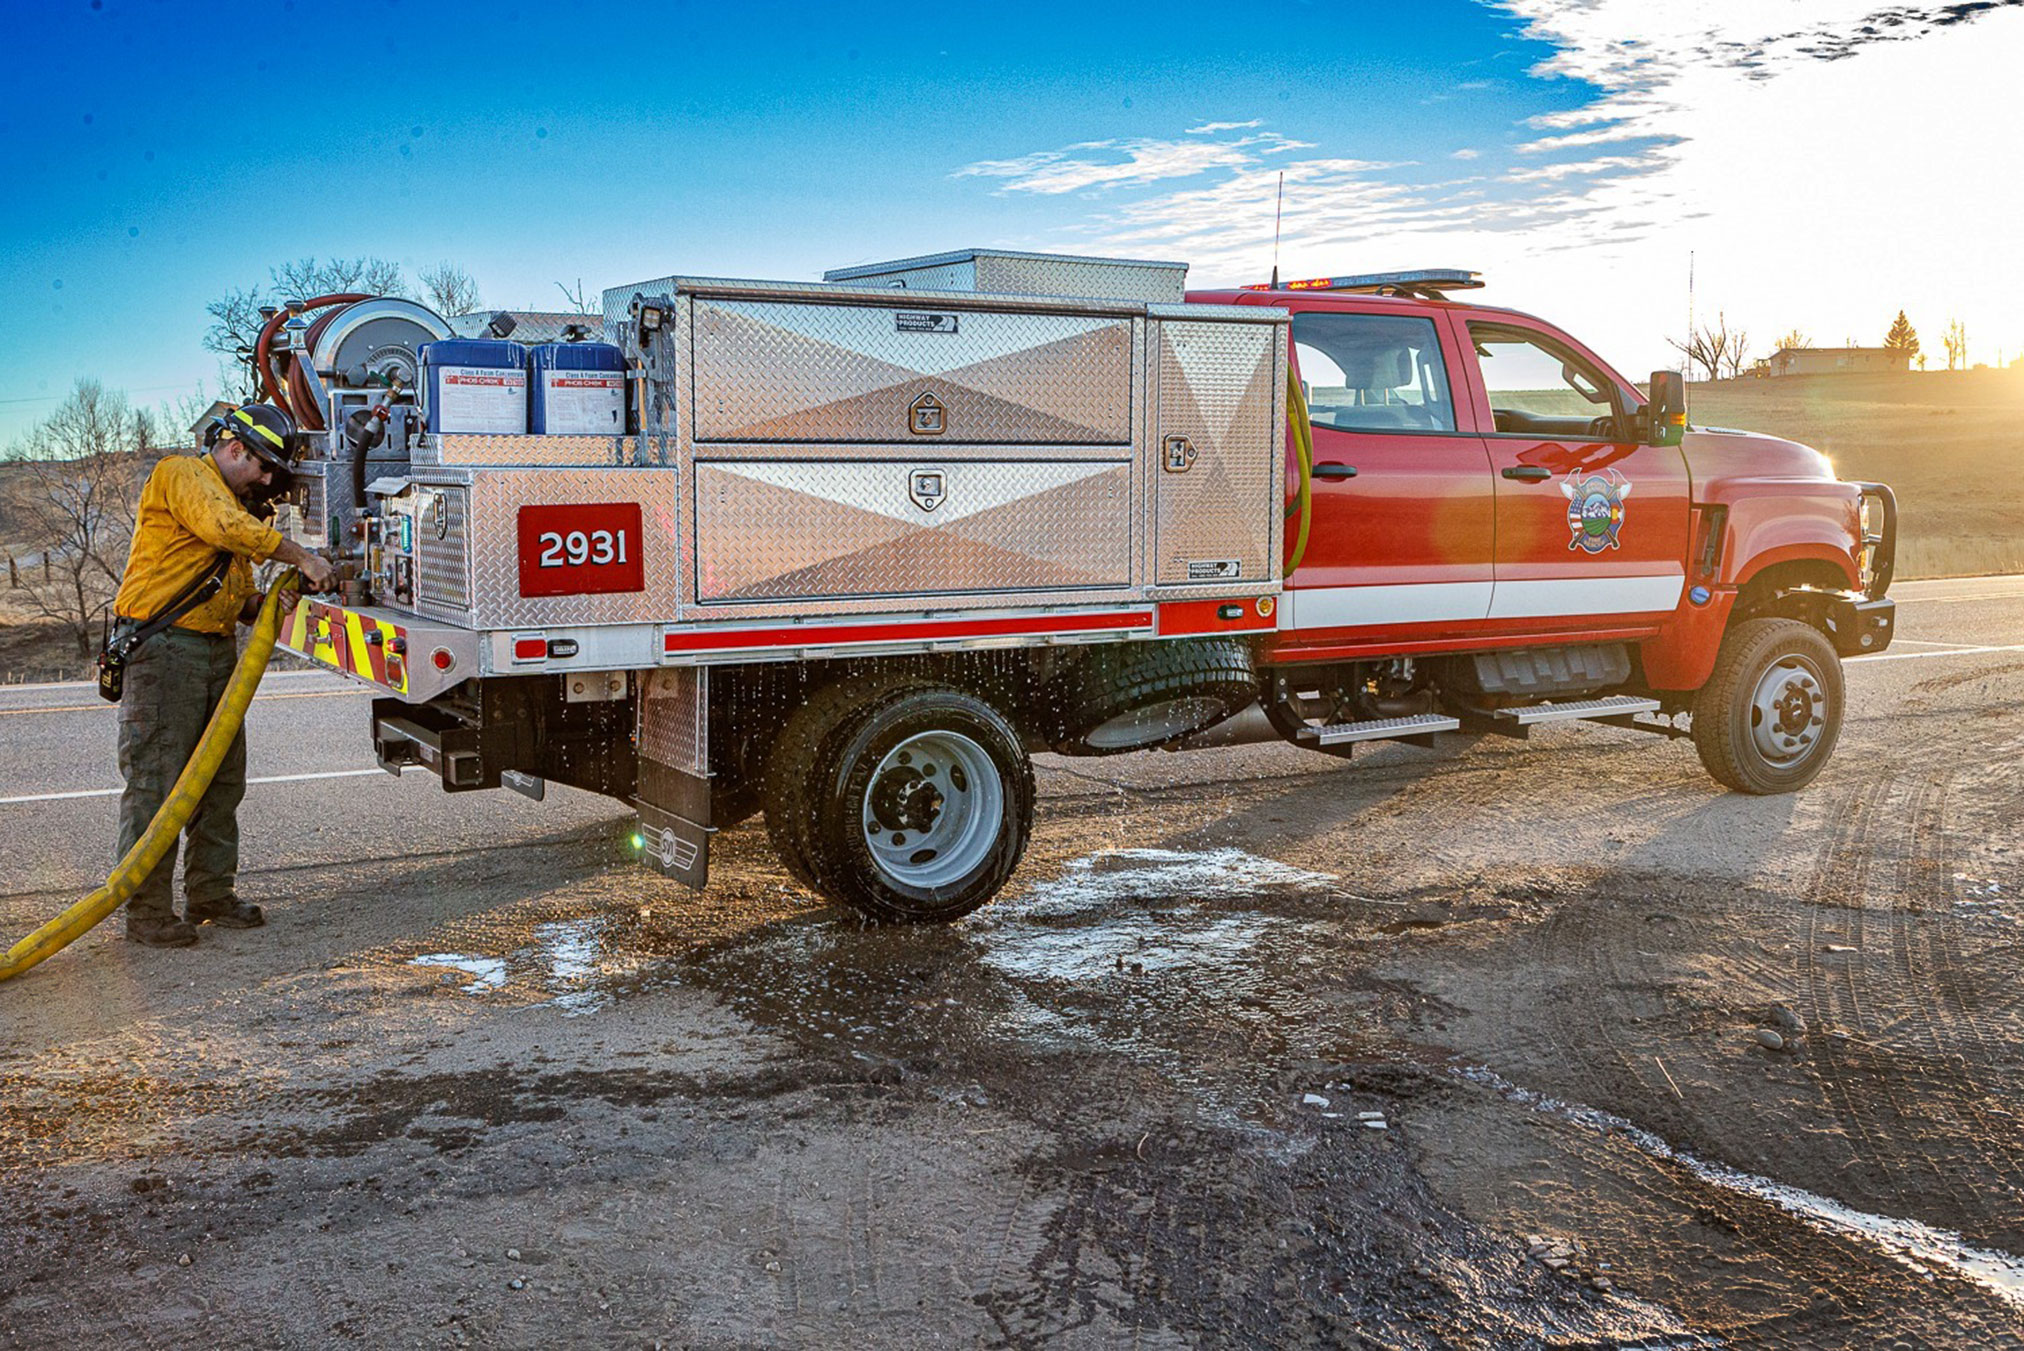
(1536, 390)
(1373, 372)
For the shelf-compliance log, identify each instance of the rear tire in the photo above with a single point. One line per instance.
(906, 800)
(1769, 716)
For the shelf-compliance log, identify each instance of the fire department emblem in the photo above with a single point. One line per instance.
(1595, 509)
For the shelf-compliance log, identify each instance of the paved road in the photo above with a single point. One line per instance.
(1261, 1048)
(317, 798)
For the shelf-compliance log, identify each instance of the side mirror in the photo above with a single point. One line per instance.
(1665, 413)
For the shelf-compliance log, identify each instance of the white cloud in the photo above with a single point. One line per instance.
(1126, 163)
(1211, 128)
(1825, 162)
(1547, 173)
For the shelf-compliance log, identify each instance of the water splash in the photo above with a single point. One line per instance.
(1145, 874)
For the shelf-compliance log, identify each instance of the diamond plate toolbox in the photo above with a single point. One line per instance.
(471, 560)
(786, 530)
(1003, 272)
(1218, 452)
(774, 371)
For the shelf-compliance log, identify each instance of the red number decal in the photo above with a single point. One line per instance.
(580, 550)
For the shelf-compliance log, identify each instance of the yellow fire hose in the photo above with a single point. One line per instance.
(1303, 445)
(161, 833)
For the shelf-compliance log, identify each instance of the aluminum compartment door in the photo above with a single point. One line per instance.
(1218, 391)
(443, 551)
(797, 530)
(780, 371)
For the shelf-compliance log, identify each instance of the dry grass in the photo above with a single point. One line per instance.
(1950, 443)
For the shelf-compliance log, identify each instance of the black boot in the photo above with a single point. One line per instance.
(230, 913)
(164, 931)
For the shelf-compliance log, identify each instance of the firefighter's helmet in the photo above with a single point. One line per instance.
(266, 431)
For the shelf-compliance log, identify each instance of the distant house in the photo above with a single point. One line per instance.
(1838, 360)
(218, 409)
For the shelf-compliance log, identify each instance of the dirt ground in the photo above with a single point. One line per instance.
(1488, 1047)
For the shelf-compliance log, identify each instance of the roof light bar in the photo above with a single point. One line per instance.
(1427, 283)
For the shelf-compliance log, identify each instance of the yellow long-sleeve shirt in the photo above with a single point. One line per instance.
(187, 514)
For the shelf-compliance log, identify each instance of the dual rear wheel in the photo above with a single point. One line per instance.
(909, 800)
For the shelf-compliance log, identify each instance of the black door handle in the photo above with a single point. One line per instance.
(1330, 469)
(1531, 473)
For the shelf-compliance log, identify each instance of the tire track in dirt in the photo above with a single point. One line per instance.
(1605, 1070)
(1914, 1080)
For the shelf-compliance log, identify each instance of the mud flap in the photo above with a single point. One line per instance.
(674, 846)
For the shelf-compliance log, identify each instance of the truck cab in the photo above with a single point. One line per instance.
(1502, 529)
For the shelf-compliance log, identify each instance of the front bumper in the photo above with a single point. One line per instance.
(1859, 626)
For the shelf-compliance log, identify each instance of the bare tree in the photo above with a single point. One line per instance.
(235, 324)
(307, 277)
(179, 414)
(578, 303)
(449, 289)
(236, 319)
(1738, 354)
(83, 483)
(1709, 347)
(1793, 341)
(1955, 339)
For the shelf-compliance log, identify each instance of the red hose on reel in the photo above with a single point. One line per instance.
(278, 389)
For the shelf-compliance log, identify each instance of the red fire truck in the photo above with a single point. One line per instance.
(849, 553)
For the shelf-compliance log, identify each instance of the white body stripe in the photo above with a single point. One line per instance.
(1343, 607)
(1587, 596)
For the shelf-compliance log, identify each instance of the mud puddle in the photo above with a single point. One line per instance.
(563, 963)
(1923, 1249)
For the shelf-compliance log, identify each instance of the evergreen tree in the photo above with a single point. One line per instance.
(1902, 337)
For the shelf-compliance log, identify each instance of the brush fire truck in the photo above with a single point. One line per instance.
(850, 552)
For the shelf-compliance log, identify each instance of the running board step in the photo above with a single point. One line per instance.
(1418, 729)
(1620, 711)
(1588, 710)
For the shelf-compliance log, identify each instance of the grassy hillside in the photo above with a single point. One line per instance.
(1950, 443)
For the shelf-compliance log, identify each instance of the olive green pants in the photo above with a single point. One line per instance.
(172, 686)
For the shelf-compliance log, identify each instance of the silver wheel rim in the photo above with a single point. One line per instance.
(1155, 723)
(933, 810)
(1788, 711)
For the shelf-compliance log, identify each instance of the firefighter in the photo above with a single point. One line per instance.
(193, 520)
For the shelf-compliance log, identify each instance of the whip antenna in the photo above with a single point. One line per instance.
(1278, 212)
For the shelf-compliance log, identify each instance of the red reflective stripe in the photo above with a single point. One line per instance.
(678, 640)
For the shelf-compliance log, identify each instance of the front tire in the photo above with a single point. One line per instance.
(1768, 718)
(911, 802)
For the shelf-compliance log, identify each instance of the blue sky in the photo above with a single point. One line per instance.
(159, 154)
